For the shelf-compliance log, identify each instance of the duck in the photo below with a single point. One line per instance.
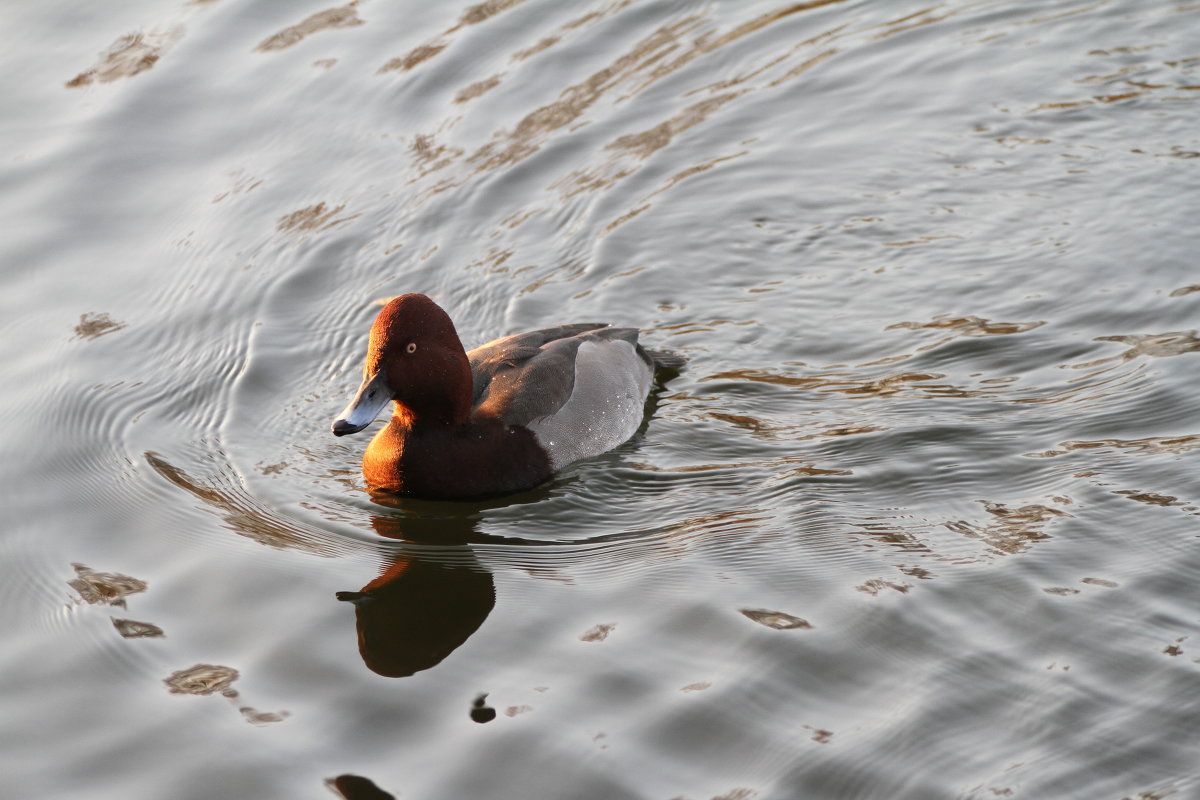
(501, 418)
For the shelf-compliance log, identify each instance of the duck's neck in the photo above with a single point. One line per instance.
(430, 419)
(448, 405)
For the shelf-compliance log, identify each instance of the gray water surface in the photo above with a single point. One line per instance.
(918, 519)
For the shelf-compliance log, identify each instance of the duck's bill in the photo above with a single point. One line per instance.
(371, 399)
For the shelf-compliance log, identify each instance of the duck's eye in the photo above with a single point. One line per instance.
(411, 347)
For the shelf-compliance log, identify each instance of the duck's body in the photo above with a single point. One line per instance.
(501, 418)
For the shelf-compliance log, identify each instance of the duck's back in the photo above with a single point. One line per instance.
(579, 388)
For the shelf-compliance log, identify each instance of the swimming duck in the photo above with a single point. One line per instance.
(500, 418)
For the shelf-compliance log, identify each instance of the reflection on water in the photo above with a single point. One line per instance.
(417, 612)
(241, 513)
(481, 712)
(918, 520)
(356, 787)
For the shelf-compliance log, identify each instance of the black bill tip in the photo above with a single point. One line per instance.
(341, 427)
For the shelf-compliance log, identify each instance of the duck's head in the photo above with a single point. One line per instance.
(415, 358)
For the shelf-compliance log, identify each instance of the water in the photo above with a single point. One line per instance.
(917, 520)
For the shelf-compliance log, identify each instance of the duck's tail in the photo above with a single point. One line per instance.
(666, 360)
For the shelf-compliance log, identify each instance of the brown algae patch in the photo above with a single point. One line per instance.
(483, 11)
(415, 56)
(969, 325)
(598, 633)
(132, 629)
(312, 218)
(208, 679)
(342, 17)
(478, 88)
(202, 679)
(93, 325)
(129, 55)
(1151, 498)
(777, 620)
(1155, 345)
(1011, 530)
(876, 585)
(109, 588)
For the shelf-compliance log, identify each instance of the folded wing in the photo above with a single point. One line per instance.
(580, 388)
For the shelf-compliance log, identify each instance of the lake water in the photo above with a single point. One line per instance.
(917, 520)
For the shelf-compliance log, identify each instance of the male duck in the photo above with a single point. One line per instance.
(500, 418)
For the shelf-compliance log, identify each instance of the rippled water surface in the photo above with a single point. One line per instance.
(918, 519)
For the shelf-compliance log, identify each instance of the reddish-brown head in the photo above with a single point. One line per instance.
(415, 358)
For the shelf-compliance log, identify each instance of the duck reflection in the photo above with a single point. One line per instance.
(356, 787)
(421, 608)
